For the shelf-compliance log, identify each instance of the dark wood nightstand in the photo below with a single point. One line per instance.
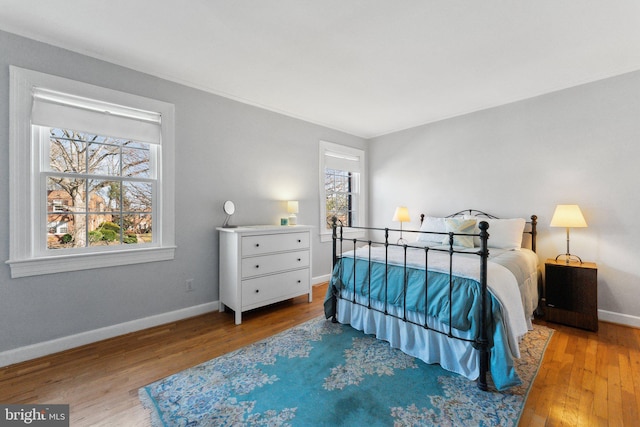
(571, 292)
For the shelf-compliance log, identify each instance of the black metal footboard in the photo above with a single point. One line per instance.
(482, 341)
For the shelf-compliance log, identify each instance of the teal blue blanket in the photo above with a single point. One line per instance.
(461, 313)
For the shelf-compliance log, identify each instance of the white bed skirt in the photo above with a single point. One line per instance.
(429, 346)
(529, 292)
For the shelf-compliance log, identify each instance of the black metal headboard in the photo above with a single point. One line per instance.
(474, 212)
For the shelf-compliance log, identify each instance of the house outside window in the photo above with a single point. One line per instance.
(93, 169)
(342, 192)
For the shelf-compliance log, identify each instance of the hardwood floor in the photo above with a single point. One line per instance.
(100, 381)
(586, 378)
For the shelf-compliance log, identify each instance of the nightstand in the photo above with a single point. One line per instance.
(571, 292)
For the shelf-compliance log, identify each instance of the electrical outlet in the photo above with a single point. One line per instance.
(188, 285)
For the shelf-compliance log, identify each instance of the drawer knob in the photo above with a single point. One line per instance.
(257, 245)
(257, 265)
(299, 241)
(299, 281)
(257, 291)
(299, 259)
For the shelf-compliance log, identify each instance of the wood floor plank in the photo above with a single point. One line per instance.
(634, 364)
(601, 382)
(586, 378)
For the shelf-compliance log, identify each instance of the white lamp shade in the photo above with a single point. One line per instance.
(292, 206)
(401, 214)
(568, 216)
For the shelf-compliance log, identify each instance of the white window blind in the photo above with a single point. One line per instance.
(341, 161)
(62, 110)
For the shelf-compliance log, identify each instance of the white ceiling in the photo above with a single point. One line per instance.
(367, 67)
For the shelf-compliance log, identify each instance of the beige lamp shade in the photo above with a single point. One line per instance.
(401, 214)
(292, 206)
(568, 216)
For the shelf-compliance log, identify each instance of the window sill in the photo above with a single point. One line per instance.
(65, 263)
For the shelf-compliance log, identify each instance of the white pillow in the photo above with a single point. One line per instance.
(505, 233)
(459, 225)
(432, 224)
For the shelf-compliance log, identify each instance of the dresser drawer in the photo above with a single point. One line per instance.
(266, 243)
(267, 264)
(273, 287)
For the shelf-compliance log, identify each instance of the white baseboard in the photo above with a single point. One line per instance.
(33, 351)
(619, 318)
(320, 279)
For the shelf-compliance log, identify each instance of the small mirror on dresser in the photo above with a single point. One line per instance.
(229, 208)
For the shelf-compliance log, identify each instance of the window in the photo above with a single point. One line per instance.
(341, 188)
(92, 168)
(108, 184)
(57, 205)
(341, 196)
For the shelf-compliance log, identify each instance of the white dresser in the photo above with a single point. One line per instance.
(263, 264)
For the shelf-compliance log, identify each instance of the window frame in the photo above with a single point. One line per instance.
(25, 187)
(330, 147)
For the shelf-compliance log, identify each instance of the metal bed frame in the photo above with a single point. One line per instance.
(480, 343)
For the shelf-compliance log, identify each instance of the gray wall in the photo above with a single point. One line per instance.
(224, 150)
(580, 145)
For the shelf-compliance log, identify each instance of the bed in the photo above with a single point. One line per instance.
(460, 292)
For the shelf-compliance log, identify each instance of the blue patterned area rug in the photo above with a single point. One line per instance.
(320, 373)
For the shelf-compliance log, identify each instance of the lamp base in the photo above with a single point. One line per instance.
(570, 257)
(293, 220)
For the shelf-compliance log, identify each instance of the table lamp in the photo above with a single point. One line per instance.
(568, 216)
(401, 214)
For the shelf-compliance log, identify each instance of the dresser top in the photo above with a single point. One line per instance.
(265, 228)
